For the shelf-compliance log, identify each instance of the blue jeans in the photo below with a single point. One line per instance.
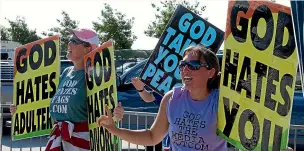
(166, 142)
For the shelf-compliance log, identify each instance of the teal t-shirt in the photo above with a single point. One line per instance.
(70, 101)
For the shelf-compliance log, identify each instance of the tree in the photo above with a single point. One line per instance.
(5, 35)
(20, 32)
(114, 25)
(64, 30)
(164, 13)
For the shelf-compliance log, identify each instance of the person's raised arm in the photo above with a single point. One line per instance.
(148, 137)
(144, 94)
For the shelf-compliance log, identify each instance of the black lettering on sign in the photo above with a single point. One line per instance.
(260, 70)
(101, 98)
(25, 121)
(230, 115)
(93, 104)
(37, 83)
(111, 93)
(43, 118)
(21, 64)
(189, 28)
(261, 43)
(52, 84)
(97, 76)
(185, 29)
(230, 68)
(23, 60)
(239, 35)
(103, 73)
(283, 109)
(108, 141)
(106, 95)
(46, 121)
(157, 78)
(90, 109)
(96, 101)
(16, 125)
(30, 121)
(49, 47)
(44, 86)
(106, 58)
(35, 65)
(273, 75)
(100, 139)
(25, 93)
(277, 137)
(265, 135)
(92, 140)
(96, 109)
(20, 92)
(249, 116)
(242, 83)
(89, 74)
(149, 72)
(29, 92)
(284, 52)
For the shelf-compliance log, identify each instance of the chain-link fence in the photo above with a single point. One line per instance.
(131, 120)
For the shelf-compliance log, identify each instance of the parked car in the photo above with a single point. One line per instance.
(125, 67)
(128, 95)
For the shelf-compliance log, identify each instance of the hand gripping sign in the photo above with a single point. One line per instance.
(36, 77)
(161, 73)
(101, 90)
(258, 76)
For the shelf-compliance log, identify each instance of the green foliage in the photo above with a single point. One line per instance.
(5, 35)
(132, 54)
(20, 32)
(114, 25)
(165, 10)
(66, 25)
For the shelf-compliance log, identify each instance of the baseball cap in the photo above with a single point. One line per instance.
(87, 35)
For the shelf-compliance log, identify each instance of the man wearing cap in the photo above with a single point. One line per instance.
(74, 133)
(68, 106)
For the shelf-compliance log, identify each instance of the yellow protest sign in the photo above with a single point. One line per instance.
(258, 76)
(36, 77)
(101, 91)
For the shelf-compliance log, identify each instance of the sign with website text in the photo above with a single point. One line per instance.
(185, 28)
(36, 77)
(297, 8)
(101, 90)
(258, 76)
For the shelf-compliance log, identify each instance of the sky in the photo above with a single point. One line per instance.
(42, 14)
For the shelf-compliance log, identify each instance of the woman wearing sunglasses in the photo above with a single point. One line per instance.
(68, 106)
(188, 113)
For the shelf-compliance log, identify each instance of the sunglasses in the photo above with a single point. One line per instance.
(76, 41)
(192, 65)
